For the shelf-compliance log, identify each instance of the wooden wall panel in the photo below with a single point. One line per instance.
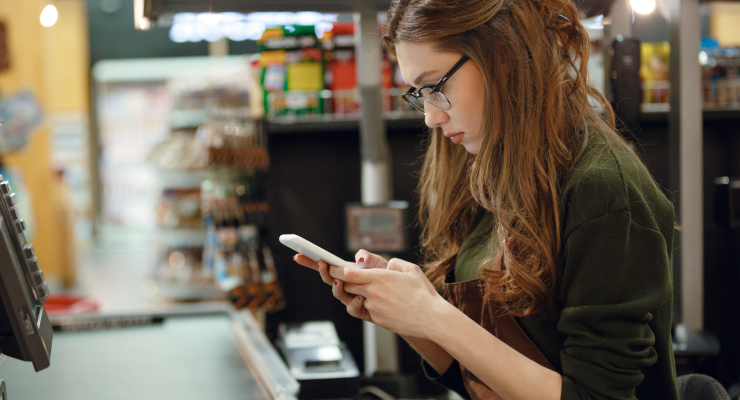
(52, 63)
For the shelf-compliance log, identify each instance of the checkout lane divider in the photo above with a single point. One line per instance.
(262, 358)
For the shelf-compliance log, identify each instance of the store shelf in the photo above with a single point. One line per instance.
(721, 114)
(182, 119)
(312, 124)
(331, 123)
(718, 114)
(164, 68)
(182, 237)
(181, 179)
(190, 291)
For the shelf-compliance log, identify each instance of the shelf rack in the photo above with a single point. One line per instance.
(718, 114)
(158, 12)
(330, 123)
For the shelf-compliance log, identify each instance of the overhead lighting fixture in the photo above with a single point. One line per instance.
(141, 22)
(49, 16)
(192, 27)
(210, 18)
(643, 6)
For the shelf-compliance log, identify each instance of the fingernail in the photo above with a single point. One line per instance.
(335, 282)
(295, 258)
(362, 259)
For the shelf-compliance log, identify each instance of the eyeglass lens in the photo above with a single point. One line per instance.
(429, 95)
(435, 98)
(414, 101)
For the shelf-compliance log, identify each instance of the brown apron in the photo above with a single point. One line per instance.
(468, 297)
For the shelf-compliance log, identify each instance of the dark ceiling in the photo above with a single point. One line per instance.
(155, 9)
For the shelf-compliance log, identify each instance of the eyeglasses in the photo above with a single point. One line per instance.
(432, 93)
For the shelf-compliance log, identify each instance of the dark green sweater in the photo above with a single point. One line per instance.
(608, 328)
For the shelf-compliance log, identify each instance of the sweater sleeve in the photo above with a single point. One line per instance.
(451, 379)
(616, 273)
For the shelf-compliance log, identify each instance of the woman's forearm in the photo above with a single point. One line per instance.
(435, 355)
(510, 374)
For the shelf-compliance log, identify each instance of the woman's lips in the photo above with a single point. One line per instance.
(455, 137)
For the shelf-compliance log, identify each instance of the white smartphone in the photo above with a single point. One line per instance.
(312, 251)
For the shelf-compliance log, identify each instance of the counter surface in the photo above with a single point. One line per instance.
(182, 358)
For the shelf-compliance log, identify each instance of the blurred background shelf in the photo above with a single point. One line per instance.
(181, 179)
(332, 123)
(186, 291)
(188, 118)
(712, 114)
(182, 237)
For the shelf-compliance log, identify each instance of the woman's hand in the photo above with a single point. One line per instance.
(367, 262)
(354, 304)
(399, 298)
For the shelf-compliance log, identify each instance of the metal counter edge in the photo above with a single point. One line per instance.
(262, 357)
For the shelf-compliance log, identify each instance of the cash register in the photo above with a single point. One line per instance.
(25, 330)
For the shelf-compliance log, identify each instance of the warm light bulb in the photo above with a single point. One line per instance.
(49, 16)
(643, 6)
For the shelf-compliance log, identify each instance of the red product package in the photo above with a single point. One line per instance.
(344, 74)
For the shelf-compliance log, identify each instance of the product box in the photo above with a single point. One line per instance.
(341, 69)
(293, 70)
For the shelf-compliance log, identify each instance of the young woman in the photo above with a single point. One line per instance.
(547, 269)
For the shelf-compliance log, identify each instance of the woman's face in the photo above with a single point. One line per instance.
(421, 64)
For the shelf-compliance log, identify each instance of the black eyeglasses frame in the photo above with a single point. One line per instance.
(436, 88)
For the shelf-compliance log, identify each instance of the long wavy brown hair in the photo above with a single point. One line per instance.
(533, 56)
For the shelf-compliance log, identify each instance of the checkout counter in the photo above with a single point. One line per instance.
(197, 352)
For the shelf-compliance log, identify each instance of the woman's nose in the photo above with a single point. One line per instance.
(433, 116)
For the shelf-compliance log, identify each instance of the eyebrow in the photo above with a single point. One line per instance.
(422, 76)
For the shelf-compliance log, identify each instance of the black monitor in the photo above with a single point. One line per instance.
(25, 330)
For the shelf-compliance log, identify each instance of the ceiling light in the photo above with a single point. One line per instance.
(49, 16)
(210, 18)
(643, 6)
(141, 22)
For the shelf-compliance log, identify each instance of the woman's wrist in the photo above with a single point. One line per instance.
(431, 352)
(440, 317)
